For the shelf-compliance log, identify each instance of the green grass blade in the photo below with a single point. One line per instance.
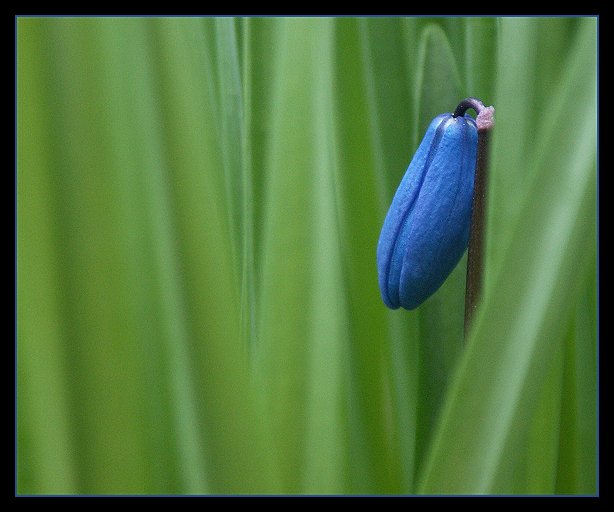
(232, 428)
(45, 463)
(300, 349)
(481, 35)
(577, 463)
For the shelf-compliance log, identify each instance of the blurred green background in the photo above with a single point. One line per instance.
(198, 207)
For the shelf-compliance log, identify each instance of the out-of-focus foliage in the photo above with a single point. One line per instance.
(198, 207)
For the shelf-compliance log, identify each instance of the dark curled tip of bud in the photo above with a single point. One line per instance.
(466, 104)
(485, 115)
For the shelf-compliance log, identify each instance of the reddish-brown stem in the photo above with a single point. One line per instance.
(475, 255)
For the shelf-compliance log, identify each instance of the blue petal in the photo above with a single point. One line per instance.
(426, 230)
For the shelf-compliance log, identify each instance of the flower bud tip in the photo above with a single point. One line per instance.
(486, 118)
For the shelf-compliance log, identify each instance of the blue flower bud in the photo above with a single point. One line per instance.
(426, 230)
